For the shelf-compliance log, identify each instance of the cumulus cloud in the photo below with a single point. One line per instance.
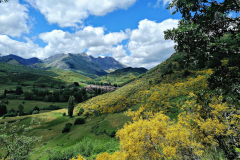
(147, 44)
(91, 38)
(26, 50)
(71, 13)
(13, 18)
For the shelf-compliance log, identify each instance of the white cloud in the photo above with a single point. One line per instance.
(26, 50)
(157, 5)
(68, 13)
(13, 18)
(89, 37)
(147, 44)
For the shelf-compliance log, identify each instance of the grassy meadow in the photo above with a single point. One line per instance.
(53, 123)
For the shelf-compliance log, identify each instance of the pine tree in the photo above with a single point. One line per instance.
(71, 105)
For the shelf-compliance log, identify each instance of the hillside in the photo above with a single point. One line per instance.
(158, 87)
(120, 76)
(20, 60)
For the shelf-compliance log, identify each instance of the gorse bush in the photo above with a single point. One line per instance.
(79, 121)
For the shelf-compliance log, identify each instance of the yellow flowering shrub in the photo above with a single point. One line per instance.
(79, 157)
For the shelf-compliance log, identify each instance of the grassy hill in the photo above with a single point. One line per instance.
(121, 76)
(164, 88)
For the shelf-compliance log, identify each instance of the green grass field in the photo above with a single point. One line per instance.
(29, 105)
(53, 123)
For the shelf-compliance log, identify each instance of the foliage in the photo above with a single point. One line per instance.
(67, 127)
(81, 110)
(52, 107)
(3, 109)
(20, 109)
(64, 113)
(58, 155)
(35, 112)
(19, 90)
(71, 102)
(36, 108)
(79, 121)
(14, 142)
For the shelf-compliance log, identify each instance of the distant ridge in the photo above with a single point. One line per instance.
(13, 59)
(80, 63)
(87, 65)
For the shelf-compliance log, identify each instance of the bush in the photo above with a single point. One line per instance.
(81, 110)
(111, 133)
(79, 121)
(36, 108)
(186, 73)
(23, 102)
(3, 109)
(64, 114)
(67, 127)
(64, 155)
(35, 112)
(52, 107)
(76, 83)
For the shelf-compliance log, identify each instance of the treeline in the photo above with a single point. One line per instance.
(101, 83)
(20, 112)
(10, 68)
(80, 94)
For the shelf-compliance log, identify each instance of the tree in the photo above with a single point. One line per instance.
(36, 108)
(5, 93)
(16, 144)
(71, 105)
(20, 109)
(3, 109)
(212, 22)
(19, 90)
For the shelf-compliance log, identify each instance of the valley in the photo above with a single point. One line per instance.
(71, 105)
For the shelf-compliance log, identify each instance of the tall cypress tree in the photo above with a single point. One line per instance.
(71, 105)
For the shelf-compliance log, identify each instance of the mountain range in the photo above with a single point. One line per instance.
(81, 63)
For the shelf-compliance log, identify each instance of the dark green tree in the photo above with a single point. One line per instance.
(20, 109)
(19, 90)
(3, 109)
(71, 102)
(5, 93)
(200, 37)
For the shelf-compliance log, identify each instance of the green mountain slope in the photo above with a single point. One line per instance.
(120, 76)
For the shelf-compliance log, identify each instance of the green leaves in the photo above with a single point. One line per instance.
(15, 143)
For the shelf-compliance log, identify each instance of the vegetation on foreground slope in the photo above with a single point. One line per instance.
(179, 110)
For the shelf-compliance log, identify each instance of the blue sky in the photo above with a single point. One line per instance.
(131, 31)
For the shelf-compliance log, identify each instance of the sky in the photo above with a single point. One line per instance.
(131, 31)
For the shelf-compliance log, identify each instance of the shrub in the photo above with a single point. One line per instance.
(3, 109)
(23, 102)
(64, 114)
(81, 110)
(64, 155)
(52, 107)
(76, 83)
(186, 73)
(79, 121)
(35, 112)
(36, 108)
(67, 127)
(111, 133)
(15, 144)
